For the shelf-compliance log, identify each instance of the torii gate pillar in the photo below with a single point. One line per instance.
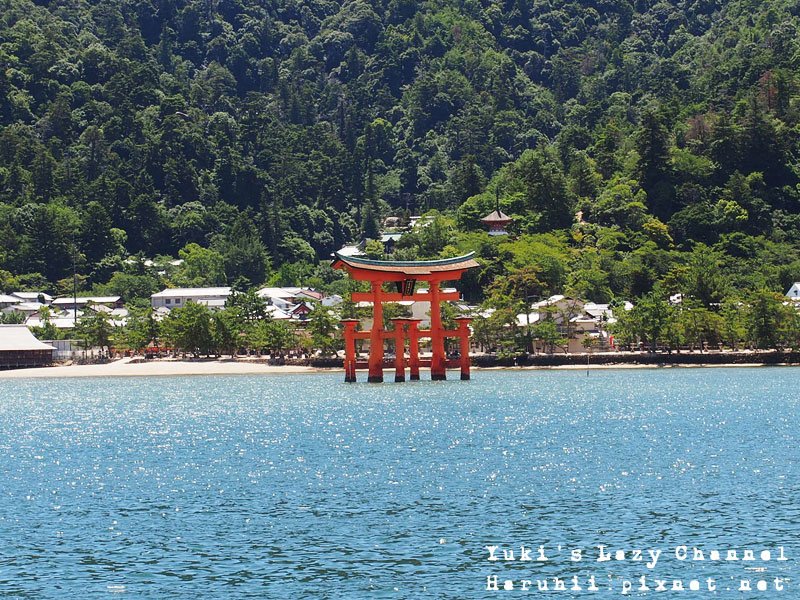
(376, 336)
(349, 326)
(463, 329)
(399, 348)
(413, 349)
(438, 358)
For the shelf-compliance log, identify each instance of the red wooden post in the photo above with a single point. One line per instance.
(349, 349)
(463, 331)
(376, 337)
(413, 349)
(399, 348)
(438, 358)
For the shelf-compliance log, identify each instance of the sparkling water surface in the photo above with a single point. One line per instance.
(301, 486)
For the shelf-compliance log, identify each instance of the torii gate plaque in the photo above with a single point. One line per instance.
(405, 274)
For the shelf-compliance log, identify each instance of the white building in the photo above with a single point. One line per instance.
(33, 297)
(27, 308)
(59, 320)
(19, 348)
(82, 301)
(576, 321)
(289, 298)
(6, 301)
(170, 298)
(794, 291)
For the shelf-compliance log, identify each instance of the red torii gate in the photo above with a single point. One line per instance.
(405, 274)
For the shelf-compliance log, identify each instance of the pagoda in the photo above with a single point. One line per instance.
(497, 220)
(404, 275)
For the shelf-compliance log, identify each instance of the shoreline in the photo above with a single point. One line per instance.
(125, 367)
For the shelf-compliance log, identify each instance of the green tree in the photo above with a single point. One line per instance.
(201, 267)
(141, 329)
(95, 328)
(649, 321)
(228, 326)
(764, 318)
(655, 171)
(244, 254)
(497, 331)
(189, 329)
(322, 325)
(274, 336)
(546, 331)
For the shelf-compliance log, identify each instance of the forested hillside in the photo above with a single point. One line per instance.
(635, 142)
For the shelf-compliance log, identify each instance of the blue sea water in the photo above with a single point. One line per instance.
(302, 486)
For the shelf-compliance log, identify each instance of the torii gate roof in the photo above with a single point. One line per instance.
(442, 269)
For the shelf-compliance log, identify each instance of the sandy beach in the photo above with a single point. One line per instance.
(127, 367)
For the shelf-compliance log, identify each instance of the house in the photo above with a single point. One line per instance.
(283, 298)
(332, 300)
(213, 297)
(276, 313)
(33, 297)
(308, 294)
(577, 322)
(389, 240)
(27, 308)
(6, 301)
(19, 348)
(794, 291)
(83, 301)
(289, 299)
(59, 320)
(301, 311)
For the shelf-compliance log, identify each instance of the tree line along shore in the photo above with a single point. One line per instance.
(643, 150)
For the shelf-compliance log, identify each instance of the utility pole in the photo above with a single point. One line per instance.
(74, 284)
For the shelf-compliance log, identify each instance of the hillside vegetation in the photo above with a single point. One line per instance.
(637, 144)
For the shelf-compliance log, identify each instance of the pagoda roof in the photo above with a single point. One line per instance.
(407, 267)
(497, 216)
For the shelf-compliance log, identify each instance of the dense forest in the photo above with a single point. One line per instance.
(638, 144)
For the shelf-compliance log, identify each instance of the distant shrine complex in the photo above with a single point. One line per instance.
(405, 275)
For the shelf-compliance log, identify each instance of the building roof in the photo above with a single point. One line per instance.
(19, 337)
(312, 294)
(6, 299)
(66, 301)
(524, 319)
(25, 307)
(350, 251)
(59, 322)
(301, 308)
(414, 267)
(597, 310)
(277, 292)
(549, 301)
(32, 296)
(497, 216)
(277, 313)
(187, 292)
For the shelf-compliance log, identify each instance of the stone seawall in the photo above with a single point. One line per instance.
(608, 359)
